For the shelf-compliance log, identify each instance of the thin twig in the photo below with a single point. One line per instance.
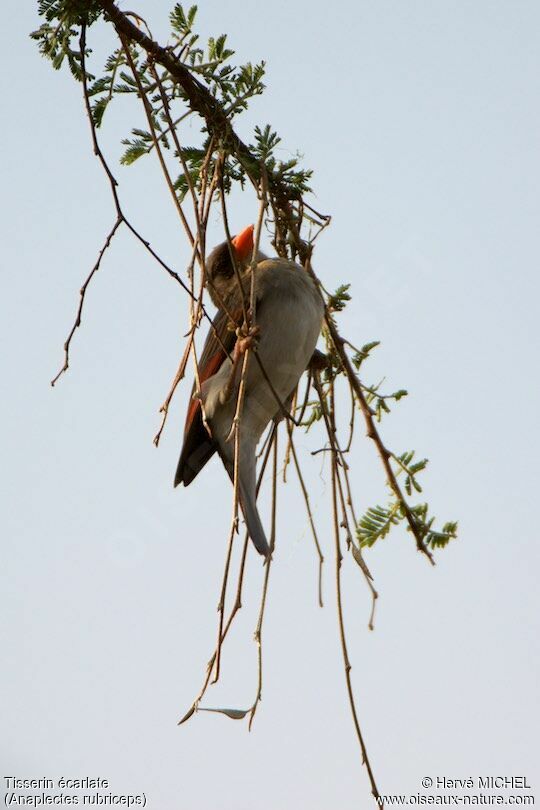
(342, 469)
(237, 605)
(232, 253)
(258, 630)
(328, 416)
(287, 456)
(310, 515)
(82, 295)
(120, 217)
(306, 397)
(164, 410)
(155, 138)
(195, 314)
(344, 649)
(221, 606)
(351, 421)
(179, 150)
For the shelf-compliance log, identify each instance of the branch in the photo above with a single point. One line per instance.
(344, 649)
(198, 96)
(82, 296)
(373, 434)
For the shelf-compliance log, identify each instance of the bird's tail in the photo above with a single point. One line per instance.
(247, 491)
(253, 521)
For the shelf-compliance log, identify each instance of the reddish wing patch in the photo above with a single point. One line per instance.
(213, 365)
(198, 447)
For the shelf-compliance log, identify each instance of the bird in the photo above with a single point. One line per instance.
(289, 312)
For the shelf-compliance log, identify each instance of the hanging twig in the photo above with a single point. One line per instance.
(258, 630)
(344, 649)
(82, 295)
(155, 139)
(335, 454)
(238, 600)
(195, 314)
(310, 515)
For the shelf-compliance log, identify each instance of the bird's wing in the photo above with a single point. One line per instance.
(198, 446)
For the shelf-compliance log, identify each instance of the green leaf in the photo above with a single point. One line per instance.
(98, 110)
(338, 301)
(266, 141)
(405, 465)
(376, 523)
(363, 354)
(180, 22)
(440, 539)
(135, 149)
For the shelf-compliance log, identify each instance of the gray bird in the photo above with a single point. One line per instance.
(289, 313)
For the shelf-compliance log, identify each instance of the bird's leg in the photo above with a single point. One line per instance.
(246, 339)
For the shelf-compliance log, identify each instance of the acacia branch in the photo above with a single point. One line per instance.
(375, 436)
(201, 100)
(197, 95)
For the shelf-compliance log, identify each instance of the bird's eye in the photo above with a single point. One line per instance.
(222, 266)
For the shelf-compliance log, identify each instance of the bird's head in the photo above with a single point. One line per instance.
(220, 276)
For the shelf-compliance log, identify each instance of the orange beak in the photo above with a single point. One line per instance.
(243, 243)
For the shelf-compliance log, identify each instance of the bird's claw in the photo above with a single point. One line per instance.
(246, 339)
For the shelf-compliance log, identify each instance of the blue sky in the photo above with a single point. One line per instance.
(421, 121)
